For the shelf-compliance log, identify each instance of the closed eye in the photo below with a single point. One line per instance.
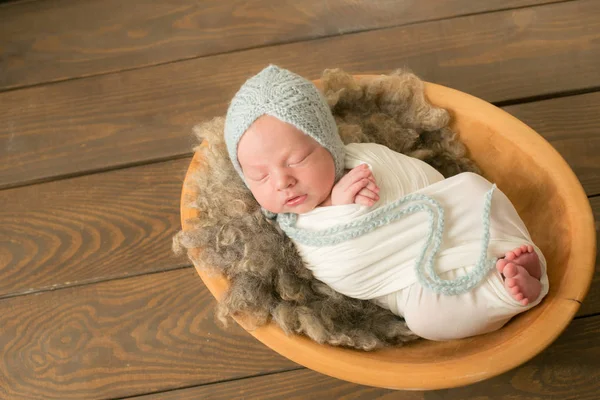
(259, 178)
(299, 162)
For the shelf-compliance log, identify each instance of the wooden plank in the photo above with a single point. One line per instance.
(156, 333)
(95, 227)
(572, 125)
(106, 226)
(49, 41)
(293, 385)
(72, 127)
(120, 338)
(567, 370)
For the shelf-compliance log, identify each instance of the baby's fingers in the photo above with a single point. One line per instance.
(366, 172)
(362, 171)
(366, 192)
(372, 186)
(357, 187)
(364, 201)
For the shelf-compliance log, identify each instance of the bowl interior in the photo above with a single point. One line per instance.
(552, 203)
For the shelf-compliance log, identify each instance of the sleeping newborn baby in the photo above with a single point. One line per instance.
(451, 256)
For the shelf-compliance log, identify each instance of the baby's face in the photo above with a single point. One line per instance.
(286, 170)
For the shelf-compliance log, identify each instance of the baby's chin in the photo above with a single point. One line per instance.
(300, 209)
(294, 210)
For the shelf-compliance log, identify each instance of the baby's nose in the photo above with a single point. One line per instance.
(284, 181)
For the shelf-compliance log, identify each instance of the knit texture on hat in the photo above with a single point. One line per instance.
(290, 98)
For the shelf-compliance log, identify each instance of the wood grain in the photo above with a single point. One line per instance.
(91, 228)
(109, 225)
(49, 41)
(121, 338)
(137, 116)
(567, 370)
(572, 125)
(156, 333)
(292, 385)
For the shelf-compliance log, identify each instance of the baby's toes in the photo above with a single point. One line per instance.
(524, 302)
(500, 264)
(519, 296)
(510, 271)
(524, 248)
(511, 255)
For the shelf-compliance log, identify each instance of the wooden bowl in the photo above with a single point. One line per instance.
(551, 201)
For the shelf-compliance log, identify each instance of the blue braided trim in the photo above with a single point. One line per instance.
(427, 276)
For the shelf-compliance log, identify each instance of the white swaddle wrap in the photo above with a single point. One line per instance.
(379, 265)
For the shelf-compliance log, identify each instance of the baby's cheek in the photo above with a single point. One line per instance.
(327, 183)
(256, 193)
(267, 200)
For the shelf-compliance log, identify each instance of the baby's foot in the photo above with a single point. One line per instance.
(527, 258)
(523, 256)
(520, 284)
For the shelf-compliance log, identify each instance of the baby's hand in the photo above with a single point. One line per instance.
(357, 186)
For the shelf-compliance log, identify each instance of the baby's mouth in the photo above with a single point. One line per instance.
(295, 201)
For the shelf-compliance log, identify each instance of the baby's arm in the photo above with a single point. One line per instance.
(357, 186)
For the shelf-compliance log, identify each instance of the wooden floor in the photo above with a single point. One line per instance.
(97, 102)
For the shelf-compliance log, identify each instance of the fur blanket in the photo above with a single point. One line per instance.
(268, 280)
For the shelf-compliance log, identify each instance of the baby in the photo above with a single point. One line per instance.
(343, 206)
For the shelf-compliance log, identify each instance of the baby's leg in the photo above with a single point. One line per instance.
(522, 272)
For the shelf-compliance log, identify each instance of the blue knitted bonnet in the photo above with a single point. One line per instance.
(290, 98)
